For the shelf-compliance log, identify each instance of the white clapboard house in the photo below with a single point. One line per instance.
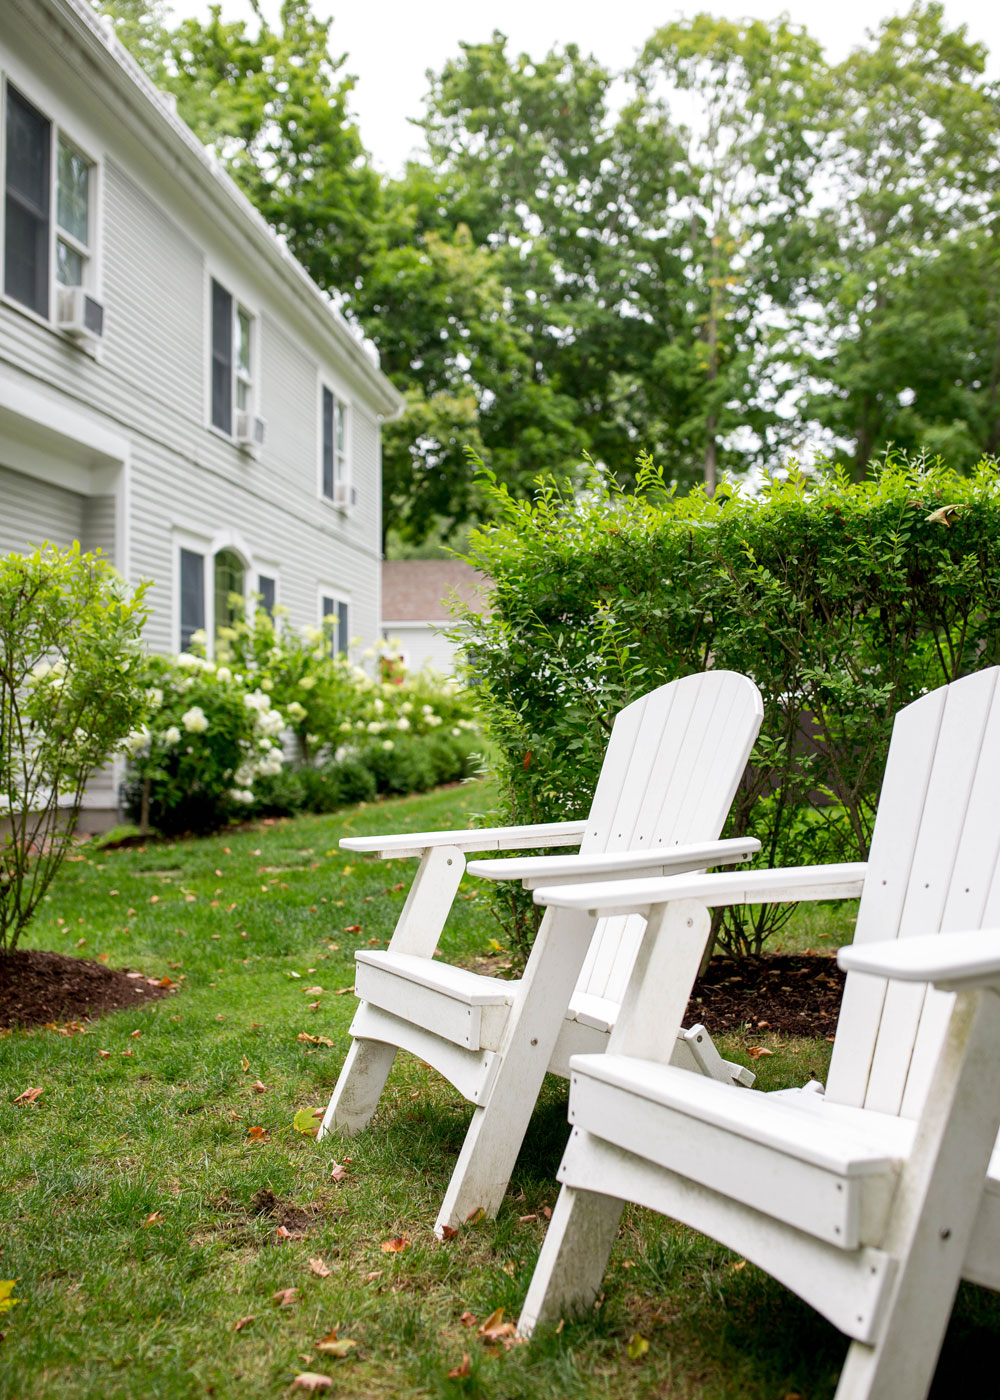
(173, 387)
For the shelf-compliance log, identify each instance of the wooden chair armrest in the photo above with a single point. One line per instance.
(534, 871)
(489, 838)
(952, 961)
(786, 886)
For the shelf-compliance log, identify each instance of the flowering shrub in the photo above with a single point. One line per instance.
(70, 690)
(210, 733)
(211, 747)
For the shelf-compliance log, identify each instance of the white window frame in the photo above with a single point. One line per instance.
(208, 547)
(60, 133)
(239, 378)
(341, 463)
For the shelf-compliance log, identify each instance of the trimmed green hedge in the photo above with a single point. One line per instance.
(843, 601)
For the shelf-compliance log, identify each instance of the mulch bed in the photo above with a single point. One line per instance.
(38, 988)
(797, 994)
(793, 994)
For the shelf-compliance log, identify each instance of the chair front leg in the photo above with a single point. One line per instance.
(499, 1124)
(571, 1265)
(359, 1087)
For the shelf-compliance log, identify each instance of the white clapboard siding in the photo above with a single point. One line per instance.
(33, 512)
(932, 867)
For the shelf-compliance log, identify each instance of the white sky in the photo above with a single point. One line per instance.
(390, 44)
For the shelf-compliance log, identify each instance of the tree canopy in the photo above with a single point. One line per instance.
(731, 249)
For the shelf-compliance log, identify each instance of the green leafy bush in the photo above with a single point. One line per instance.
(210, 733)
(71, 689)
(842, 600)
(212, 747)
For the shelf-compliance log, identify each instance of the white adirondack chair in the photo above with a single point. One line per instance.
(871, 1200)
(671, 769)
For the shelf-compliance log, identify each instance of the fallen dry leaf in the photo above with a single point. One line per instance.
(285, 1297)
(375, 1273)
(755, 1051)
(448, 1232)
(320, 1269)
(457, 1372)
(342, 991)
(104, 1054)
(474, 1216)
(127, 1054)
(155, 1217)
(29, 1095)
(468, 1319)
(315, 1039)
(311, 1380)
(338, 1171)
(352, 928)
(135, 1035)
(258, 1134)
(258, 1087)
(547, 1212)
(526, 1219)
(332, 1345)
(494, 1329)
(395, 1246)
(242, 1322)
(244, 1064)
(283, 1233)
(637, 1347)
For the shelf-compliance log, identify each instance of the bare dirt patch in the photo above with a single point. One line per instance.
(38, 987)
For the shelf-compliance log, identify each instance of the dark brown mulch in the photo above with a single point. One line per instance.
(37, 987)
(797, 994)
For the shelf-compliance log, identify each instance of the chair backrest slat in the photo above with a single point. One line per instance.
(673, 763)
(932, 868)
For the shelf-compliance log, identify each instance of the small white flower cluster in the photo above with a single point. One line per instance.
(195, 721)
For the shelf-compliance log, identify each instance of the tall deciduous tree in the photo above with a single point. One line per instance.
(906, 300)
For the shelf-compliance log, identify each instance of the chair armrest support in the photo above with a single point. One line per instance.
(534, 871)
(488, 838)
(728, 887)
(953, 962)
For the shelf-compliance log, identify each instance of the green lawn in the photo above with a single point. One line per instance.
(144, 1219)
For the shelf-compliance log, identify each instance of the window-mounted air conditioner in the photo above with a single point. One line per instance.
(79, 314)
(345, 496)
(250, 430)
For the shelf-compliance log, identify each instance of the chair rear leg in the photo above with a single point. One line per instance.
(571, 1265)
(359, 1087)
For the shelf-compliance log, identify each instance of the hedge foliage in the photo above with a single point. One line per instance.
(842, 600)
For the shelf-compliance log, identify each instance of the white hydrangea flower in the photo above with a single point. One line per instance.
(200, 637)
(402, 723)
(271, 722)
(307, 682)
(194, 720)
(266, 683)
(296, 711)
(137, 743)
(312, 738)
(189, 662)
(387, 744)
(379, 705)
(433, 721)
(39, 672)
(406, 708)
(154, 696)
(426, 709)
(224, 674)
(375, 727)
(313, 634)
(172, 735)
(319, 654)
(242, 795)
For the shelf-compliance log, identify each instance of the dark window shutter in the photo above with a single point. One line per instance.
(222, 358)
(328, 444)
(192, 595)
(343, 630)
(26, 206)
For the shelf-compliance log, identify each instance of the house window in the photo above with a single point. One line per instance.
(43, 168)
(267, 588)
(339, 609)
(192, 581)
(72, 216)
(229, 581)
(232, 361)
(334, 448)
